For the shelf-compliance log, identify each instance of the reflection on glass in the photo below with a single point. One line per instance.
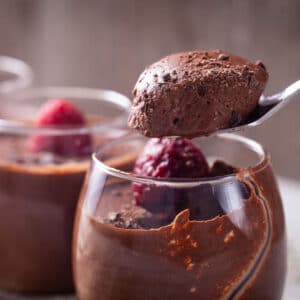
(15, 74)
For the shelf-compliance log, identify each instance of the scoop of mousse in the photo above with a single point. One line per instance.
(196, 93)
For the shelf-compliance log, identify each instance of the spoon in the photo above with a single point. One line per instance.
(267, 107)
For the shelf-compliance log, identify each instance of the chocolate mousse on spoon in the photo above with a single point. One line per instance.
(203, 92)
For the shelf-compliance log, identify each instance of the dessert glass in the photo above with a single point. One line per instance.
(14, 74)
(39, 191)
(228, 243)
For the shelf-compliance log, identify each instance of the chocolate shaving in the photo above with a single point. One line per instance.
(235, 119)
(201, 91)
(260, 64)
(167, 77)
(223, 56)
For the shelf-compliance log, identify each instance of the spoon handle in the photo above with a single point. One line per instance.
(285, 95)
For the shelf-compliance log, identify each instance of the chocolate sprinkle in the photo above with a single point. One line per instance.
(260, 64)
(201, 91)
(167, 77)
(235, 118)
(223, 56)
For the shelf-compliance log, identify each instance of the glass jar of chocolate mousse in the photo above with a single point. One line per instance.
(46, 138)
(15, 74)
(218, 237)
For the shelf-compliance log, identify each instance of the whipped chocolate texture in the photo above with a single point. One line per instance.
(132, 254)
(196, 93)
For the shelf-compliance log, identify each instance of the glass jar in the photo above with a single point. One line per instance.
(221, 237)
(39, 190)
(15, 74)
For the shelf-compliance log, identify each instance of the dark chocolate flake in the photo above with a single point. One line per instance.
(215, 64)
(235, 118)
(167, 77)
(201, 91)
(219, 168)
(175, 121)
(260, 64)
(113, 216)
(223, 56)
(246, 74)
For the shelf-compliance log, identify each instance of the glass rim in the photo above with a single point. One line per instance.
(189, 182)
(102, 95)
(17, 67)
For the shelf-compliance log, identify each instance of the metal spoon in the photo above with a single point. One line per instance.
(267, 107)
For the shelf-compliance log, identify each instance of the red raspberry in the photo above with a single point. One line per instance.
(63, 114)
(167, 158)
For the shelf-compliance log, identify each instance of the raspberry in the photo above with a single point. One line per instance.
(63, 114)
(167, 158)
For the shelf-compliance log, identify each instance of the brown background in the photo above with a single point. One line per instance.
(106, 43)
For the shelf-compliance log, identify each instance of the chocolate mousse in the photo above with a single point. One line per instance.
(196, 93)
(40, 180)
(174, 224)
(38, 196)
(226, 242)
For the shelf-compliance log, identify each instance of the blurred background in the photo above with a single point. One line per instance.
(107, 43)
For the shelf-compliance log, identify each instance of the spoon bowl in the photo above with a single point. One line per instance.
(267, 107)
